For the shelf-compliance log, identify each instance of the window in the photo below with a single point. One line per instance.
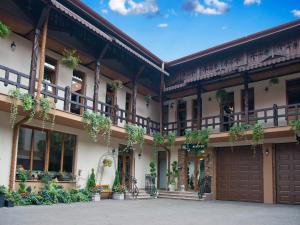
(77, 89)
(50, 68)
(34, 154)
(293, 91)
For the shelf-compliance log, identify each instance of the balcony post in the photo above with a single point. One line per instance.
(275, 115)
(134, 92)
(67, 98)
(199, 108)
(115, 118)
(96, 86)
(246, 100)
(162, 85)
(148, 125)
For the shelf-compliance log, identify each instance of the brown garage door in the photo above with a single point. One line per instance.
(239, 174)
(288, 173)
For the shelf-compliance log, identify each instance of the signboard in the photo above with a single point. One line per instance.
(193, 147)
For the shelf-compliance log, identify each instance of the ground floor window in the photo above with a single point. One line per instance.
(44, 150)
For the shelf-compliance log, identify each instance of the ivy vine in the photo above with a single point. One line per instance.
(237, 132)
(295, 124)
(135, 136)
(197, 136)
(15, 96)
(5, 31)
(46, 106)
(257, 135)
(97, 124)
(171, 136)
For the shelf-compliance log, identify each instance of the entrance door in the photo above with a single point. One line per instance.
(288, 173)
(195, 171)
(162, 170)
(125, 166)
(181, 117)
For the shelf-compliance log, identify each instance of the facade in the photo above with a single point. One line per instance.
(260, 75)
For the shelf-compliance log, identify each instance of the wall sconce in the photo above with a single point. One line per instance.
(113, 151)
(267, 152)
(13, 46)
(139, 155)
(172, 105)
(79, 172)
(266, 89)
(209, 99)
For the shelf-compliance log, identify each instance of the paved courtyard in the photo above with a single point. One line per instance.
(153, 212)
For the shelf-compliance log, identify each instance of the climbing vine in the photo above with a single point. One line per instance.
(97, 124)
(237, 132)
(258, 135)
(15, 96)
(4, 30)
(171, 136)
(197, 136)
(135, 136)
(46, 105)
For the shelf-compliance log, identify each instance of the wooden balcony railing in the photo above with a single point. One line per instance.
(67, 100)
(270, 117)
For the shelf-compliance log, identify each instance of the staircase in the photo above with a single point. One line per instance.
(143, 195)
(184, 195)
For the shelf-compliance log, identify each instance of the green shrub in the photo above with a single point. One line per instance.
(91, 182)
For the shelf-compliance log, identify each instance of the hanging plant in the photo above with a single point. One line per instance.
(258, 135)
(116, 84)
(4, 30)
(70, 58)
(107, 162)
(148, 99)
(237, 132)
(274, 81)
(171, 139)
(97, 124)
(135, 136)
(15, 96)
(197, 137)
(28, 104)
(46, 106)
(158, 139)
(295, 124)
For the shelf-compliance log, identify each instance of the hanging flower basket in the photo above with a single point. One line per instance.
(70, 59)
(116, 84)
(107, 163)
(4, 30)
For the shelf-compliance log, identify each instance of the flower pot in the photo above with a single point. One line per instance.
(118, 196)
(9, 204)
(172, 187)
(2, 198)
(106, 195)
(96, 197)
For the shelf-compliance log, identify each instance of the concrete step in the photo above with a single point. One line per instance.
(143, 195)
(187, 195)
(180, 198)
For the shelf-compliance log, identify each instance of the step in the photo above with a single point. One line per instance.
(180, 198)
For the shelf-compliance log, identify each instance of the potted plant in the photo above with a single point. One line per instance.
(118, 192)
(9, 200)
(70, 58)
(92, 188)
(4, 30)
(295, 124)
(3, 191)
(173, 175)
(107, 163)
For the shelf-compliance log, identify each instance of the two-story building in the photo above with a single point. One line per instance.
(258, 74)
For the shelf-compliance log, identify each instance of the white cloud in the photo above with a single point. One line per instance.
(170, 12)
(251, 2)
(163, 25)
(296, 12)
(104, 11)
(126, 7)
(208, 7)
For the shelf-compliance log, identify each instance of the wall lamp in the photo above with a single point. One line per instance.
(13, 46)
(172, 105)
(267, 152)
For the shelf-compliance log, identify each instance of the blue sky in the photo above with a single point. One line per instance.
(176, 28)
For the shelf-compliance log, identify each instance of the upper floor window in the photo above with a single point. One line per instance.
(77, 89)
(41, 150)
(250, 101)
(293, 91)
(50, 70)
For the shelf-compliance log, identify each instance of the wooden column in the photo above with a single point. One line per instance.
(162, 85)
(96, 86)
(268, 173)
(246, 98)
(42, 59)
(134, 92)
(34, 60)
(199, 108)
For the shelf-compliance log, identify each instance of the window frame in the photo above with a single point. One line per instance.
(47, 151)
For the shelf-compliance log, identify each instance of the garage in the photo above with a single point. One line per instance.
(288, 173)
(239, 174)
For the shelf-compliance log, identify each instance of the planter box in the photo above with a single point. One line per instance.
(96, 197)
(172, 187)
(118, 196)
(106, 195)
(9, 204)
(2, 198)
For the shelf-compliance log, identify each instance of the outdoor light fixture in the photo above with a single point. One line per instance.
(267, 152)
(13, 46)
(172, 105)
(113, 151)
(139, 155)
(209, 99)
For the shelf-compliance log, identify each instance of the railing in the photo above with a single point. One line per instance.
(270, 117)
(73, 102)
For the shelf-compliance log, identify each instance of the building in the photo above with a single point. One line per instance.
(258, 74)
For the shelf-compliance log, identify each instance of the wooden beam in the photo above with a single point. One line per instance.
(97, 78)
(35, 49)
(42, 60)
(246, 97)
(161, 95)
(134, 91)
(199, 107)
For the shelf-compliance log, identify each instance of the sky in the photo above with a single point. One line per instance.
(175, 28)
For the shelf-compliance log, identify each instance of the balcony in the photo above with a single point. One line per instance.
(61, 96)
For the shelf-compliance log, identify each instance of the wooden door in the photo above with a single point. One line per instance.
(125, 167)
